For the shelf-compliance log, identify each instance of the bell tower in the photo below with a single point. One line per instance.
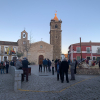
(55, 36)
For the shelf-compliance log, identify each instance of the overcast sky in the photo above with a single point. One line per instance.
(80, 18)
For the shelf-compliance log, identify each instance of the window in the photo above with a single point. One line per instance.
(98, 50)
(78, 57)
(78, 49)
(88, 58)
(24, 42)
(6, 49)
(56, 37)
(56, 26)
(41, 46)
(94, 58)
(88, 49)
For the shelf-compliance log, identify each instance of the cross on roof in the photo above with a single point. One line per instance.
(24, 28)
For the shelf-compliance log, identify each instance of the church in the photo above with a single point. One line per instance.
(35, 51)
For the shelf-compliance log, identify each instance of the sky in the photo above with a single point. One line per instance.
(80, 18)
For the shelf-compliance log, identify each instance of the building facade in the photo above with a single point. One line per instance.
(90, 50)
(34, 51)
(55, 37)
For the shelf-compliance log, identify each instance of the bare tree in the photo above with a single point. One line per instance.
(27, 45)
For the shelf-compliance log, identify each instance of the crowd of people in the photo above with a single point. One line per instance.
(19, 64)
(61, 67)
(3, 66)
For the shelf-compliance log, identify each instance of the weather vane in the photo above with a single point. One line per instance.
(41, 39)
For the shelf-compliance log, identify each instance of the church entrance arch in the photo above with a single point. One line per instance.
(41, 57)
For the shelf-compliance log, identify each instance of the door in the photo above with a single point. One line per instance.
(5, 59)
(78, 57)
(14, 58)
(88, 58)
(40, 59)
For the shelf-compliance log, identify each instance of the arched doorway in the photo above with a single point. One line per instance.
(41, 57)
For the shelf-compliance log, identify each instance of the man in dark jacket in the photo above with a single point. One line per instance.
(64, 69)
(25, 68)
(56, 64)
(49, 64)
(45, 64)
(75, 66)
(12, 63)
(7, 66)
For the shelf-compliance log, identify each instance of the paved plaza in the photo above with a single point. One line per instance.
(44, 86)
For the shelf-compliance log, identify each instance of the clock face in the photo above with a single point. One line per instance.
(24, 35)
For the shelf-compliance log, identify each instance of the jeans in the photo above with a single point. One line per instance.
(52, 70)
(40, 67)
(49, 68)
(6, 70)
(25, 72)
(45, 66)
(62, 76)
(2, 70)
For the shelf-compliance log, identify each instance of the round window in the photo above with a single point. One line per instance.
(41, 46)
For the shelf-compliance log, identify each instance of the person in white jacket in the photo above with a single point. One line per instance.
(53, 65)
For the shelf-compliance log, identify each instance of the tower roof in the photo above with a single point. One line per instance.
(55, 18)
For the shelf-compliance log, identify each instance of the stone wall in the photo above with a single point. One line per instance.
(35, 51)
(16, 74)
(86, 71)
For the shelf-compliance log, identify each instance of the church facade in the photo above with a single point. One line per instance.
(34, 51)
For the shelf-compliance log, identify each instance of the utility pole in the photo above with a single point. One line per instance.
(81, 48)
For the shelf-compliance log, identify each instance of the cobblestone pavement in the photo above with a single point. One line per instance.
(44, 86)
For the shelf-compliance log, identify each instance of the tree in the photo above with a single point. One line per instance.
(27, 45)
(19, 54)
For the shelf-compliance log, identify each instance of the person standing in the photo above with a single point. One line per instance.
(49, 64)
(56, 65)
(72, 64)
(25, 69)
(12, 63)
(18, 64)
(68, 61)
(7, 66)
(58, 71)
(53, 65)
(64, 69)
(75, 66)
(45, 63)
(99, 64)
(40, 65)
(2, 68)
